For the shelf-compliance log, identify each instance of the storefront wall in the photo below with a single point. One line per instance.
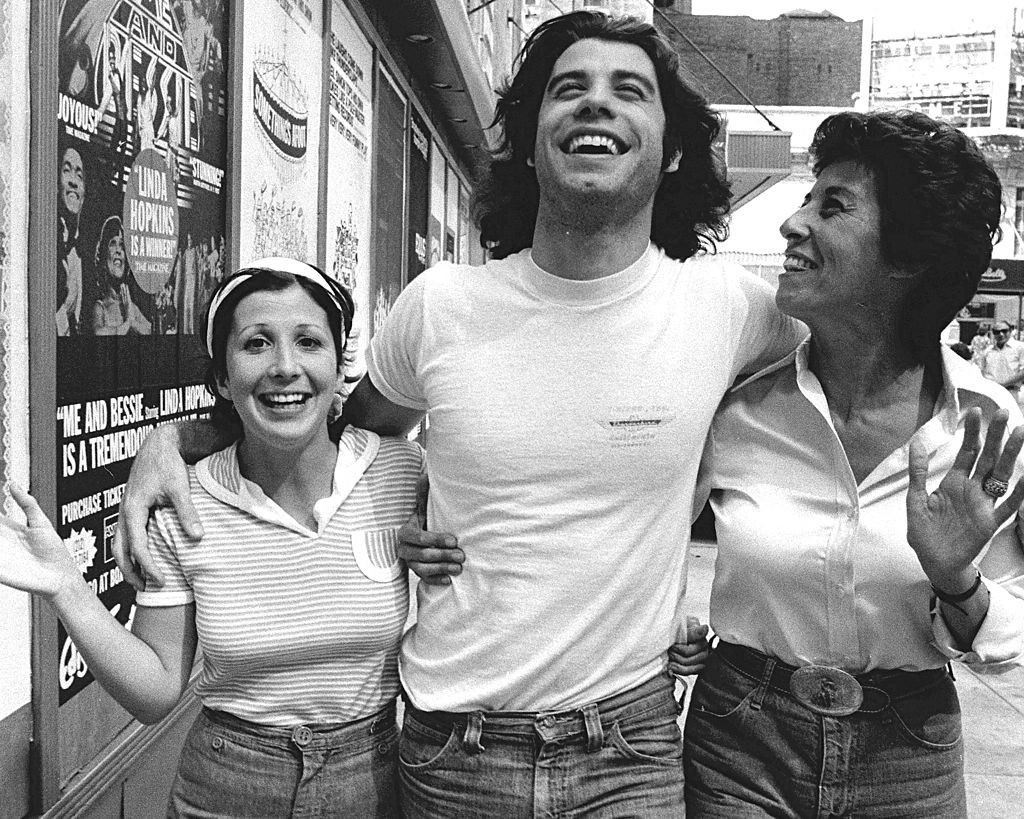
(170, 142)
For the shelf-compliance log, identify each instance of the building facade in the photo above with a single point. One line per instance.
(799, 58)
(966, 69)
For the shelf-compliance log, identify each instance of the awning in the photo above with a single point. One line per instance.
(438, 45)
(756, 160)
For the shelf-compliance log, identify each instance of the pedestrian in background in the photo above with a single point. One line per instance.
(1003, 361)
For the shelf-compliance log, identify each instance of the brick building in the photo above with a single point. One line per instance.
(799, 58)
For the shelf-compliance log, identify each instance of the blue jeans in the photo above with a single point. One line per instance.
(232, 768)
(617, 757)
(752, 750)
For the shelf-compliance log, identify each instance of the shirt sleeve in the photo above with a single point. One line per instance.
(164, 533)
(394, 355)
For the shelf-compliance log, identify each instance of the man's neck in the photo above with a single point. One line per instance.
(571, 253)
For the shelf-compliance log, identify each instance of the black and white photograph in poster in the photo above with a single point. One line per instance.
(141, 195)
(280, 113)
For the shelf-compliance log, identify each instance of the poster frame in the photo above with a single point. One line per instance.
(44, 785)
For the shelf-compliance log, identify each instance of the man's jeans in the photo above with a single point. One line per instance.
(618, 757)
(753, 750)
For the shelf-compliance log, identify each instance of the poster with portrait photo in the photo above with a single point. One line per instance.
(280, 113)
(141, 198)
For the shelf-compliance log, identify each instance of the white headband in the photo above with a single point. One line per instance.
(300, 270)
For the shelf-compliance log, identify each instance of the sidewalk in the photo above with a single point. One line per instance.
(993, 715)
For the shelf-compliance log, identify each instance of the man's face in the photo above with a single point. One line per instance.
(600, 126)
(1001, 334)
(72, 181)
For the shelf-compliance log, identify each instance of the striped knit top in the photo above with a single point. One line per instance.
(295, 626)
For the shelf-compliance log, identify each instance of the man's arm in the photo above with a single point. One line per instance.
(158, 477)
(368, 409)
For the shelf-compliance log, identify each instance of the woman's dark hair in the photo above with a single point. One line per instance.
(940, 204)
(111, 227)
(691, 204)
(223, 414)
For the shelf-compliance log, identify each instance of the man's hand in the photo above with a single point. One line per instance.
(434, 557)
(690, 655)
(158, 477)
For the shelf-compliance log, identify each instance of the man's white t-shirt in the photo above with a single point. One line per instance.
(567, 421)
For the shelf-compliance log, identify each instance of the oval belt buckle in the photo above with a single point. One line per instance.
(826, 690)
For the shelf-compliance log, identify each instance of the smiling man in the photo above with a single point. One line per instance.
(570, 383)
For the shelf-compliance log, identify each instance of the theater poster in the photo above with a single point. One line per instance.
(280, 114)
(350, 108)
(141, 195)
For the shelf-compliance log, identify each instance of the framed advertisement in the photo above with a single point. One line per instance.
(140, 243)
(280, 119)
(349, 142)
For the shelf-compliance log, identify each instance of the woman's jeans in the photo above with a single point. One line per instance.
(752, 749)
(232, 768)
(617, 757)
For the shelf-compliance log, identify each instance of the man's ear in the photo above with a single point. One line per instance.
(673, 164)
(529, 162)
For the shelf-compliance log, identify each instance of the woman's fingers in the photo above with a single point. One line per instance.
(30, 507)
(992, 447)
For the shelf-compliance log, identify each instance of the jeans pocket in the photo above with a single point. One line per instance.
(657, 740)
(720, 691)
(421, 747)
(931, 718)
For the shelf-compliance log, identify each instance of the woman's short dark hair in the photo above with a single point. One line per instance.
(940, 203)
(110, 228)
(223, 414)
(691, 204)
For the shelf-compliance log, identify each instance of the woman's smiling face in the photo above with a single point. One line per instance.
(282, 370)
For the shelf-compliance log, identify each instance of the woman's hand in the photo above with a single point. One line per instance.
(690, 655)
(949, 527)
(34, 558)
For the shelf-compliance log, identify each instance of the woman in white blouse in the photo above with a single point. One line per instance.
(863, 540)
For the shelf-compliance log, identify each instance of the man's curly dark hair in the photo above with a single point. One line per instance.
(940, 203)
(691, 204)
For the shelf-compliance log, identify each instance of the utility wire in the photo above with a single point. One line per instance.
(711, 62)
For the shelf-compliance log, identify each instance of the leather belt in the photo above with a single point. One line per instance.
(830, 691)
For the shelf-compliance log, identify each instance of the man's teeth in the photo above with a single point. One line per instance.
(282, 400)
(579, 144)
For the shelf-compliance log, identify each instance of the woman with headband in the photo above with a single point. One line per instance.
(295, 594)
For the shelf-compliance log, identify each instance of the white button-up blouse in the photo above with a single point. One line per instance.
(814, 568)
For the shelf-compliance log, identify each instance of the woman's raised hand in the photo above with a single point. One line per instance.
(949, 527)
(33, 557)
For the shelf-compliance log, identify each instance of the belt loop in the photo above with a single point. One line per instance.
(592, 721)
(762, 687)
(474, 730)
